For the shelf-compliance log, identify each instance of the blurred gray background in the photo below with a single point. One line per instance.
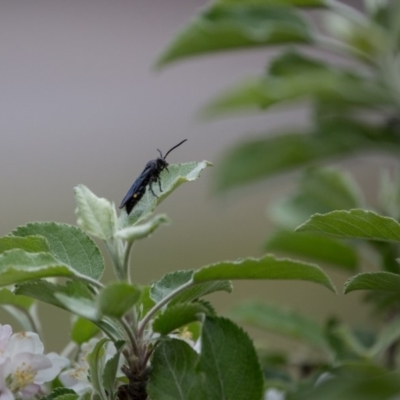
(81, 103)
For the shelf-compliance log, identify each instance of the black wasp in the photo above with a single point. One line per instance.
(150, 175)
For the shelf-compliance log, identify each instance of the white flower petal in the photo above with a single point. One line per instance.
(34, 362)
(24, 366)
(48, 374)
(5, 394)
(76, 379)
(274, 394)
(5, 333)
(29, 391)
(24, 342)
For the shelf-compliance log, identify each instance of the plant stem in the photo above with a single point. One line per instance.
(68, 349)
(131, 337)
(126, 261)
(112, 247)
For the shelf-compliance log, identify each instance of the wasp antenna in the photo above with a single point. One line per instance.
(160, 153)
(169, 151)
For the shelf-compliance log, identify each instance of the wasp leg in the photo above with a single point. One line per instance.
(151, 189)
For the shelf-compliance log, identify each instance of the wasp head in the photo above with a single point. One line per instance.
(161, 164)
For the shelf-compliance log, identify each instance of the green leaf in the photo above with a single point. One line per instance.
(227, 27)
(144, 230)
(83, 330)
(96, 360)
(168, 283)
(282, 321)
(267, 267)
(332, 188)
(31, 244)
(96, 215)
(228, 367)
(208, 306)
(326, 84)
(384, 281)
(19, 266)
(388, 252)
(202, 289)
(145, 303)
(363, 38)
(265, 157)
(292, 62)
(359, 224)
(321, 190)
(68, 396)
(229, 362)
(68, 244)
(313, 246)
(59, 393)
(110, 371)
(81, 306)
(292, 210)
(88, 396)
(74, 296)
(389, 196)
(21, 308)
(178, 174)
(295, 3)
(357, 381)
(117, 298)
(385, 13)
(374, 7)
(7, 297)
(178, 315)
(172, 281)
(174, 374)
(45, 291)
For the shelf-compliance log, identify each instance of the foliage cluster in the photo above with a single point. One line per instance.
(169, 340)
(355, 109)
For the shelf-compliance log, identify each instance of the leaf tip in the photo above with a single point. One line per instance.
(161, 62)
(332, 287)
(347, 287)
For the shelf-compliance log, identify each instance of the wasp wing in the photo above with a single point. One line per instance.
(139, 186)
